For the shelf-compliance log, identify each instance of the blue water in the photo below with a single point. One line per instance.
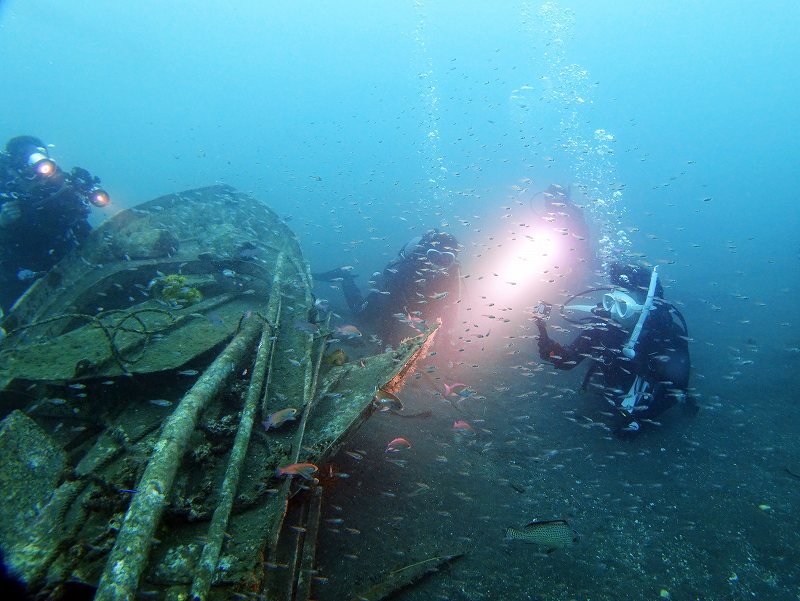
(367, 123)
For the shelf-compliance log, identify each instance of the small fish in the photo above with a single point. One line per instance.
(304, 470)
(25, 274)
(277, 419)
(414, 320)
(463, 428)
(386, 401)
(304, 326)
(348, 332)
(160, 402)
(337, 357)
(454, 389)
(439, 295)
(188, 372)
(215, 319)
(550, 534)
(418, 414)
(397, 444)
(422, 488)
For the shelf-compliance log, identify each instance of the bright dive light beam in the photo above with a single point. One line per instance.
(528, 258)
(513, 275)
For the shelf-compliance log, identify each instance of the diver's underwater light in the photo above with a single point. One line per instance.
(99, 197)
(41, 164)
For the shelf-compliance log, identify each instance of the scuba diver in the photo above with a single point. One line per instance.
(420, 285)
(43, 213)
(638, 343)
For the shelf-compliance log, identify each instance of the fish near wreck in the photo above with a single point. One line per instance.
(550, 534)
(337, 358)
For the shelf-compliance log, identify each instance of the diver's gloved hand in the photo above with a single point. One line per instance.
(547, 346)
(10, 212)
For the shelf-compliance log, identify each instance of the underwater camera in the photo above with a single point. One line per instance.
(88, 186)
(542, 310)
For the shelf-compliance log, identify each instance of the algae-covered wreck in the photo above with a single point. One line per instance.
(133, 380)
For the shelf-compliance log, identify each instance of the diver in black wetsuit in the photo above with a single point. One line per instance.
(638, 343)
(420, 285)
(43, 213)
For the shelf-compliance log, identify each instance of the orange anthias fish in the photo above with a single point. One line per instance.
(464, 428)
(348, 331)
(304, 470)
(415, 321)
(397, 445)
(279, 418)
(454, 389)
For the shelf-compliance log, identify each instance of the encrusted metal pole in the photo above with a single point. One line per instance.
(306, 570)
(310, 385)
(261, 372)
(131, 550)
(219, 522)
(312, 375)
(274, 307)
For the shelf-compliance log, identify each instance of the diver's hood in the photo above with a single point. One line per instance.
(631, 277)
(438, 247)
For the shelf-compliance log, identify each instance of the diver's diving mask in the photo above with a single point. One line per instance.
(621, 305)
(440, 258)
